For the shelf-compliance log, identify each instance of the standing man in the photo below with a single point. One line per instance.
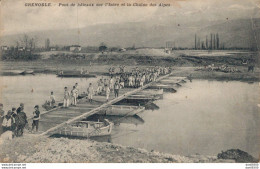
(74, 96)
(36, 118)
(2, 113)
(116, 88)
(52, 100)
(21, 121)
(66, 100)
(20, 108)
(8, 124)
(111, 83)
(14, 116)
(130, 81)
(90, 91)
(107, 89)
(77, 91)
(99, 89)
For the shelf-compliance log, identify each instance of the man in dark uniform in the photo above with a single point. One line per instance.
(36, 118)
(14, 116)
(2, 113)
(20, 108)
(21, 121)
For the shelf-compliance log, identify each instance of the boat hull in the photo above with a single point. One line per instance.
(27, 72)
(85, 132)
(166, 88)
(118, 110)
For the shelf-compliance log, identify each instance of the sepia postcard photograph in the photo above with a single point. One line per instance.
(129, 81)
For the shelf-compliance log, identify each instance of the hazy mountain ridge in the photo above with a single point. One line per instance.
(234, 33)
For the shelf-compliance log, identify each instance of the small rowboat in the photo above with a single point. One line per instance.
(11, 72)
(88, 129)
(26, 72)
(122, 110)
(141, 97)
(136, 120)
(152, 92)
(174, 83)
(166, 88)
(147, 105)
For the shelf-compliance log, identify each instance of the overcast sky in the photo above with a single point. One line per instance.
(16, 18)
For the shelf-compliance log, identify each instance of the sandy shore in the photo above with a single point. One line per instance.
(32, 149)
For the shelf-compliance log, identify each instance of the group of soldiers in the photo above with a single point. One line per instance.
(138, 78)
(70, 95)
(15, 120)
(133, 79)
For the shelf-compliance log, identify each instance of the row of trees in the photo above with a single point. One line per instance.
(23, 50)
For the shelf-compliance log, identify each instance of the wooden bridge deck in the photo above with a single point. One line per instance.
(55, 119)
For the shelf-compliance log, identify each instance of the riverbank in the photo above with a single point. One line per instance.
(53, 67)
(32, 149)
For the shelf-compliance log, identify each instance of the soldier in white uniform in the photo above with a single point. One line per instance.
(90, 92)
(74, 96)
(66, 100)
(77, 91)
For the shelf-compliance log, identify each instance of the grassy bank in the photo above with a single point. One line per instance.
(32, 149)
(185, 62)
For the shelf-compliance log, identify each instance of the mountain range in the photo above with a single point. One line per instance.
(233, 33)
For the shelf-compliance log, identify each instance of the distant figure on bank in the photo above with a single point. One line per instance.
(77, 91)
(111, 83)
(90, 91)
(36, 118)
(107, 89)
(74, 96)
(52, 100)
(116, 88)
(21, 120)
(66, 100)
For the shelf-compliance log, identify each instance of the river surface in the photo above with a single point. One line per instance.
(203, 117)
(35, 90)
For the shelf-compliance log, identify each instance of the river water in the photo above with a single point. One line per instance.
(203, 117)
(35, 90)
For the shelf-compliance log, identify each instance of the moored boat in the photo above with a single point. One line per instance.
(142, 97)
(136, 120)
(88, 129)
(122, 110)
(166, 88)
(26, 72)
(152, 92)
(178, 79)
(11, 72)
(175, 83)
(147, 105)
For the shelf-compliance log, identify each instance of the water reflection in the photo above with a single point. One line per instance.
(203, 117)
